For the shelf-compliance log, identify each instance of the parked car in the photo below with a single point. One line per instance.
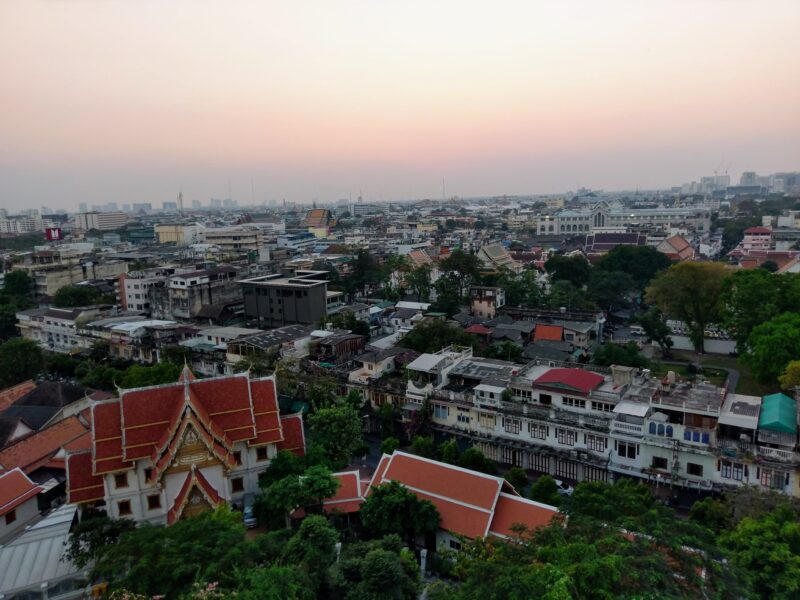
(248, 512)
(564, 489)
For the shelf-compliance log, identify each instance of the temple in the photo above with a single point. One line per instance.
(164, 452)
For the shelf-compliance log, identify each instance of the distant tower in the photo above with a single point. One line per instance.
(180, 202)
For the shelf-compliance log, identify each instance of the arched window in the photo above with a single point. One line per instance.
(653, 428)
(660, 429)
(669, 430)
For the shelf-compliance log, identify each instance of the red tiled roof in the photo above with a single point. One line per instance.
(294, 439)
(37, 449)
(512, 510)
(265, 411)
(571, 379)
(348, 498)
(478, 329)
(15, 488)
(553, 333)
(10, 395)
(194, 479)
(82, 484)
(107, 432)
(465, 499)
(757, 230)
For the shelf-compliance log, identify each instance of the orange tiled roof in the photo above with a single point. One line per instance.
(15, 488)
(552, 333)
(467, 501)
(37, 449)
(10, 395)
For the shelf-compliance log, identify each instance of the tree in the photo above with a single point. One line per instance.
(656, 329)
(463, 267)
(712, 514)
(138, 376)
(283, 465)
(20, 359)
(566, 294)
(518, 478)
(610, 289)
(338, 430)
(274, 582)
(419, 282)
(766, 552)
(472, 458)
(772, 346)
(366, 272)
(691, 292)
(507, 350)
(448, 295)
(574, 269)
(614, 354)
(177, 355)
(71, 296)
(790, 378)
(422, 445)
(389, 445)
(18, 285)
(751, 297)
(8, 320)
(260, 364)
(641, 263)
(770, 266)
(169, 560)
(522, 289)
(391, 508)
(448, 452)
(313, 546)
(421, 420)
(298, 491)
(92, 534)
(376, 570)
(545, 490)
(435, 335)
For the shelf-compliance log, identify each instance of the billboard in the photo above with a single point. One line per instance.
(53, 234)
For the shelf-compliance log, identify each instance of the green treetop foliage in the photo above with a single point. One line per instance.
(306, 490)
(753, 296)
(472, 458)
(691, 292)
(656, 329)
(567, 295)
(610, 290)
(574, 269)
(790, 378)
(507, 350)
(313, 546)
(418, 281)
(20, 359)
(545, 490)
(521, 290)
(463, 267)
(137, 376)
(376, 570)
(71, 296)
(615, 354)
(347, 320)
(391, 508)
(641, 263)
(772, 345)
(17, 288)
(435, 335)
(449, 297)
(338, 431)
(518, 478)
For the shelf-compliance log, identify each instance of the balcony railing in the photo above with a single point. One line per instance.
(626, 428)
(777, 454)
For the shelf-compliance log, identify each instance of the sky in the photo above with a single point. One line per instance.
(133, 100)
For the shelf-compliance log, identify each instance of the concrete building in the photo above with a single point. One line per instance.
(133, 288)
(180, 234)
(183, 295)
(237, 240)
(278, 300)
(100, 220)
(484, 301)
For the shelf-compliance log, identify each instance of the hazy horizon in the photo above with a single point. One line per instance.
(130, 101)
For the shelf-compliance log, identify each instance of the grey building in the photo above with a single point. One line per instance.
(277, 300)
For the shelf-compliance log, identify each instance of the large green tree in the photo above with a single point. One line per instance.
(435, 335)
(610, 289)
(771, 346)
(691, 292)
(20, 359)
(641, 263)
(463, 267)
(574, 269)
(616, 354)
(71, 296)
(376, 570)
(418, 281)
(306, 490)
(391, 508)
(656, 329)
(338, 430)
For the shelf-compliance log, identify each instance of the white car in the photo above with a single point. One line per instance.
(564, 489)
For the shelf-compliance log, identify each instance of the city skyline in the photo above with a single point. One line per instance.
(130, 102)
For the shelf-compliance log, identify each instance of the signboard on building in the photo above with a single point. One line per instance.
(53, 234)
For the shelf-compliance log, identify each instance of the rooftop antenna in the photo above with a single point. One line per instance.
(180, 202)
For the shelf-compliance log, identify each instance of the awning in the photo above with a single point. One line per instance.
(778, 413)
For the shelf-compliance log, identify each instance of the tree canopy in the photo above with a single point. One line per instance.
(20, 359)
(691, 292)
(338, 430)
(641, 263)
(391, 508)
(435, 335)
(574, 269)
(772, 345)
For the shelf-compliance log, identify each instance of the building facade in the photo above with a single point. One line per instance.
(278, 300)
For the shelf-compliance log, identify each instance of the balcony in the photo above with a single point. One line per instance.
(627, 428)
(777, 454)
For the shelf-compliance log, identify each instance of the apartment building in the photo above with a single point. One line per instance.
(180, 234)
(133, 288)
(100, 220)
(241, 239)
(278, 300)
(58, 329)
(603, 424)
(485, 300)
(182, 295)
(51, 277)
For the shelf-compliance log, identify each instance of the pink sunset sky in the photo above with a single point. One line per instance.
(132, 100)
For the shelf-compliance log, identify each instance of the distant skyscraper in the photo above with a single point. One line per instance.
(228, 203)
(197, 204)
(46, 210)
(82, 207)
(215, 203)
(170, 206)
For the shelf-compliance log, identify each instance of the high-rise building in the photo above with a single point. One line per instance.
(99, 220)
(82, 207)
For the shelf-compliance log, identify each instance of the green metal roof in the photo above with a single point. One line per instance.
(778, 413)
